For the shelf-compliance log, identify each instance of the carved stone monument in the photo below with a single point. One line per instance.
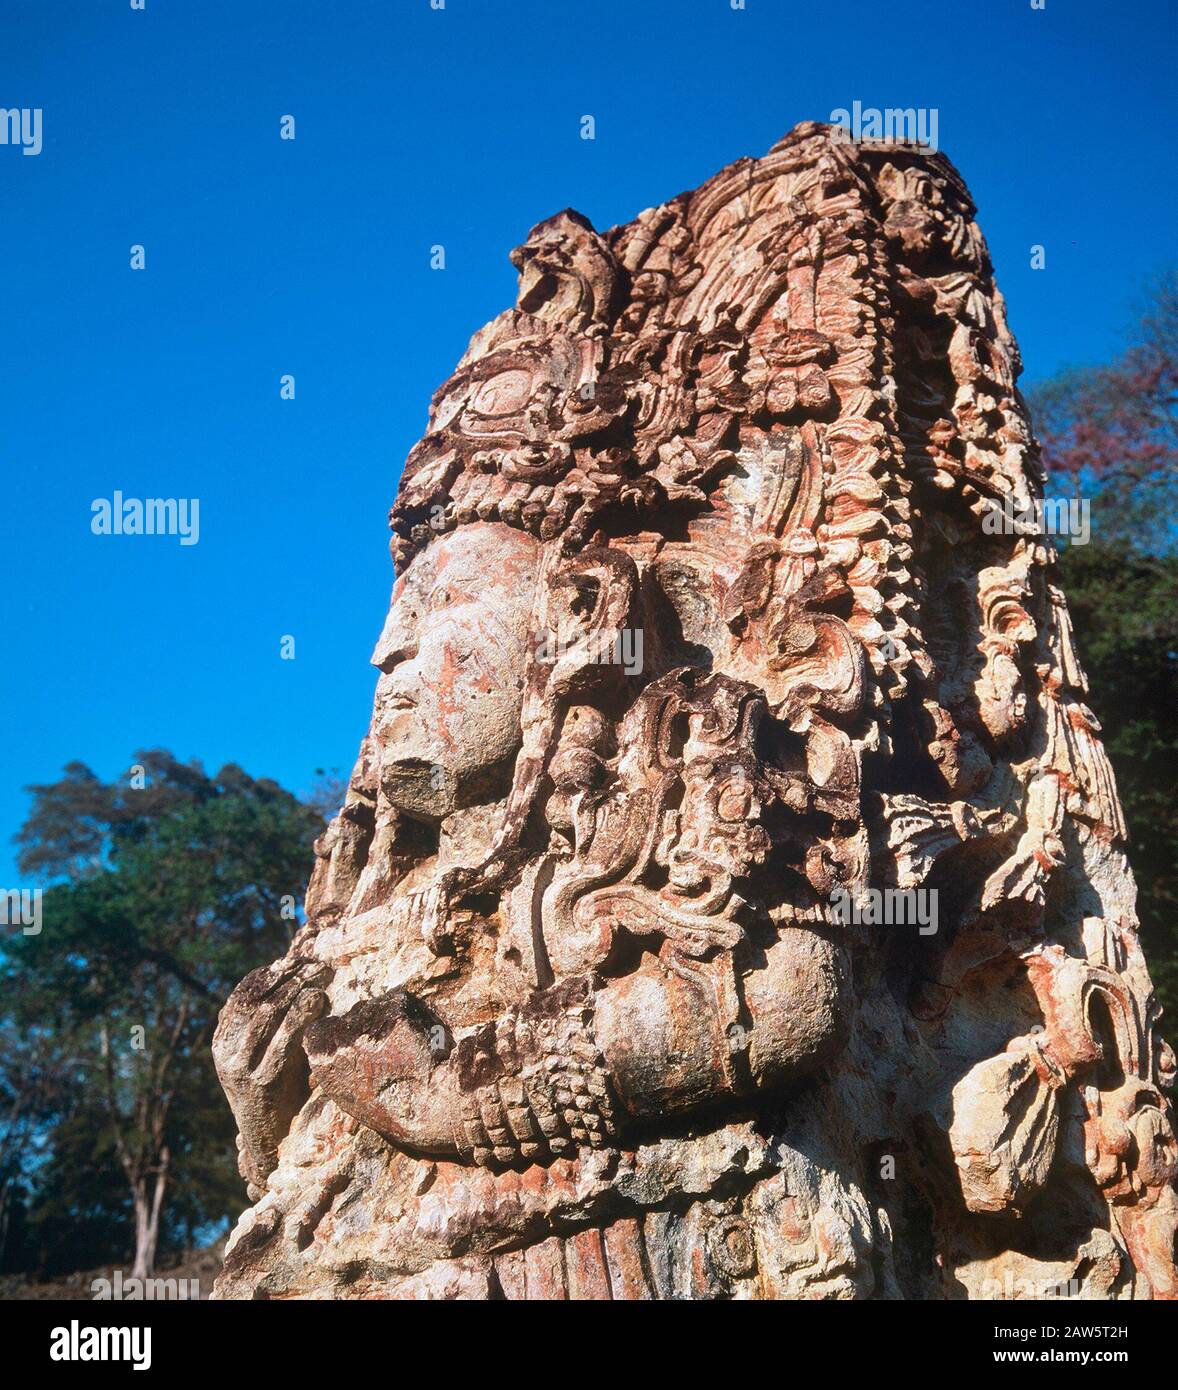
(730, 899)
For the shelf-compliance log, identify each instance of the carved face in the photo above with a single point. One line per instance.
(452, 657)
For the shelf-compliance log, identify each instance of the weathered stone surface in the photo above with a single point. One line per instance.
(576, 1012)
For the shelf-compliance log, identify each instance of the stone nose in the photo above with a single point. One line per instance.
(397, 643)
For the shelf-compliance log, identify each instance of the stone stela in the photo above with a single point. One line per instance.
(572, 1014)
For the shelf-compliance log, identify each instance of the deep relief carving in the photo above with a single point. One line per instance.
(697, 631)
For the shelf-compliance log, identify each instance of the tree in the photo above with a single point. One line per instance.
(169, 886)
(328, 792)
(1110, 434)
(1125, 609)
(32, 1082)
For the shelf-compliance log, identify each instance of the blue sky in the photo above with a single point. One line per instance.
(416, 127)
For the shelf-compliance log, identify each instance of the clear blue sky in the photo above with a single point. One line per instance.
(264, 257)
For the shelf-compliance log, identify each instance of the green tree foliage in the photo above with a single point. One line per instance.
(1125, 610)
(167, 887)
(1110, 434)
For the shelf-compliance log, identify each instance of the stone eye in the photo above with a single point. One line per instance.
(735, 802)
(505, 394)
(440, 598)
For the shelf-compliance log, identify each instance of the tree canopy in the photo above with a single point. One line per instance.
(1110, 433)
(167, 886)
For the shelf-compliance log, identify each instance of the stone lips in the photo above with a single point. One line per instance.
(572, 1015)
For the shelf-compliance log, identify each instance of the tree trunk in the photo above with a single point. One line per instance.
(5, 1192)
(147, 1218)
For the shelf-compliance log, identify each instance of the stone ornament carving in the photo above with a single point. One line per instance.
(697, 628)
